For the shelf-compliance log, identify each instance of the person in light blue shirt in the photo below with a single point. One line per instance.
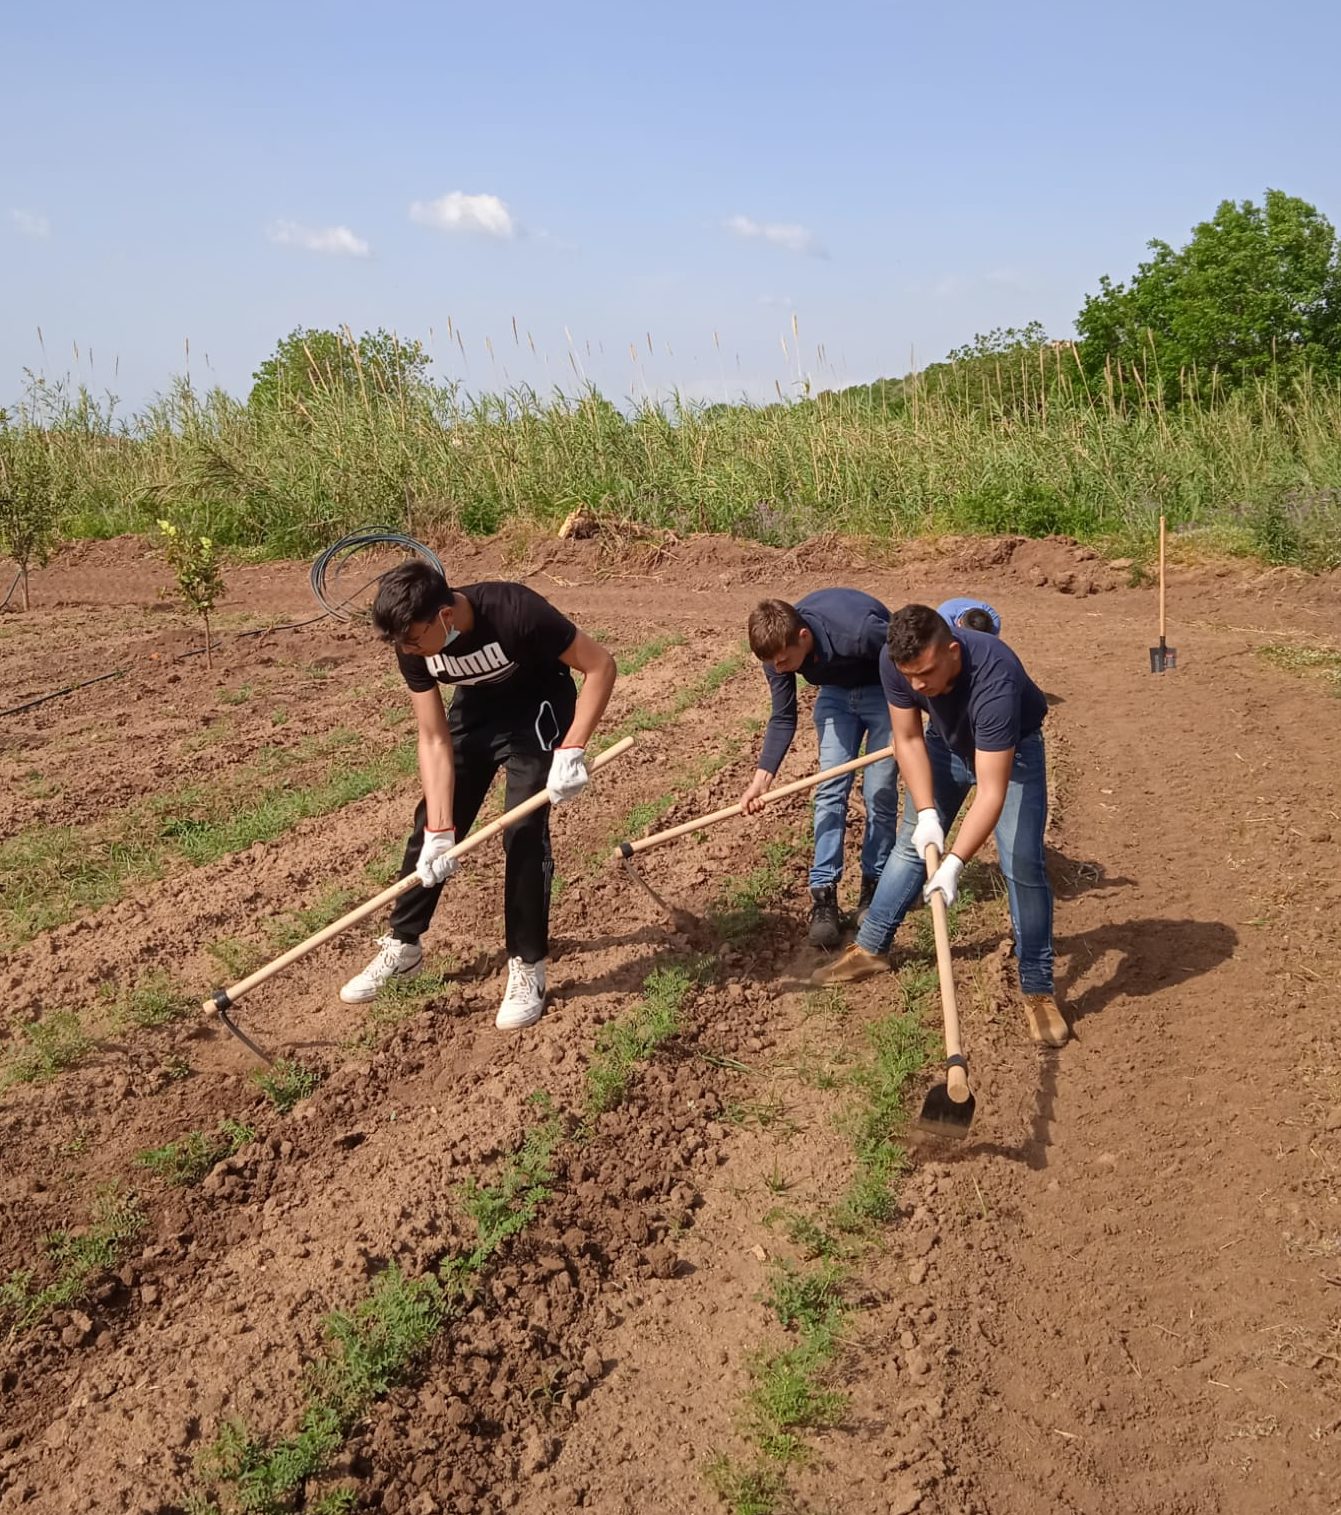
(969, 614)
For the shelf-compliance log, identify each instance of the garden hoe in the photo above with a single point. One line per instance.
(948, 1107)
(626, 851)
(1162, 657)
(223, 1000)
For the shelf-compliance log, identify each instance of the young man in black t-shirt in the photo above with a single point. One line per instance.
(509, 653)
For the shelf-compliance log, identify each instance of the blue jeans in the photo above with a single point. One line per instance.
(842, 718)
(1019, 845)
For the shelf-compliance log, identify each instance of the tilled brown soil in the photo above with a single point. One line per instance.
(1121, 1293)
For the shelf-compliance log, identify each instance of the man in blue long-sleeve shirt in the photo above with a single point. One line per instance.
(832, 638)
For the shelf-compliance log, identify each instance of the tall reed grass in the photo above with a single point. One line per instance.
(1023, 445)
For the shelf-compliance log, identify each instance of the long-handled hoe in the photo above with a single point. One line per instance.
(948, 1107)
(626, 851)
(223, 1000)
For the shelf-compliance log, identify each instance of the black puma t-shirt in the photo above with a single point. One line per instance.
(513, 650)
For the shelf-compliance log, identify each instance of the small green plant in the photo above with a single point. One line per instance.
(75, 1257)
(788, 1394)
(293, 926)
(198, 571)
(501, 1209)
(236, 957)
(45, 1048)
(238, 696)
(1321, 660)
(738, 911)
(279, 716)
(746, 1491)
(29, 499)
(286, 1083)
(187, 1161)
(809, 1300)
(637, 658)
(374, 1346)
(623, 1043)
(805, 1232)
(154, 1001)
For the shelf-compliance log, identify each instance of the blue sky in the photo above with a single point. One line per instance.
(896, 177)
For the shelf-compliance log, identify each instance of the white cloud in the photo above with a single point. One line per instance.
(337, 240)
(797, 239)
(31, 223)
(485, 215)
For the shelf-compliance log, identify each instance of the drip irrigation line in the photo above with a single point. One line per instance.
(102, 678)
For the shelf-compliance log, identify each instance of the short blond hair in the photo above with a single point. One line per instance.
(773, 626)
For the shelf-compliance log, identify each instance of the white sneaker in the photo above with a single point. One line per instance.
(524, 1002)
(394, 960)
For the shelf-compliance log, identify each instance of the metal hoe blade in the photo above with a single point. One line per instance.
(942, 1116)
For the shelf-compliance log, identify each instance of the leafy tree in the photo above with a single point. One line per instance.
(1256, 288)
(379, 365)
(28, 499)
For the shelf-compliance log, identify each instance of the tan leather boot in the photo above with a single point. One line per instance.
(1047, 1025)
(850, 967)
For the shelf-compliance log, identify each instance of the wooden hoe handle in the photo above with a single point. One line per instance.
(627, 849)
(222, 999)
(956, 1067)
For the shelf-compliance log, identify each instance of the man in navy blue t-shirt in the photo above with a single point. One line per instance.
(833, 638)
(984, 730)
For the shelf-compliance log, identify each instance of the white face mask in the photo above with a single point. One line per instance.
(452, 634)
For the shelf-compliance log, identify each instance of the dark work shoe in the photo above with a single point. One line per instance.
(826, 926)
(868, 886)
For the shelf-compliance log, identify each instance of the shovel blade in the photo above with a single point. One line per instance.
(942, 1116)
(1163, 658)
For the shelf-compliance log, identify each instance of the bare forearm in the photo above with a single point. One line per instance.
(594, 696)
(979, 822)
(910, 753)
(437, 772)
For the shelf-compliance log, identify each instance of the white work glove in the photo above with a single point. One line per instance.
(567, 775)
(434, 866)
(928, 832)
(945, 880)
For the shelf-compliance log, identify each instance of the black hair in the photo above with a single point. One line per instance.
(409, 595)
(912, 630)
(977, 620)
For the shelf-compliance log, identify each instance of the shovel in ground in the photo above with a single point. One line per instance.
(948, 1108)
(223, 1000)
(1162, 657)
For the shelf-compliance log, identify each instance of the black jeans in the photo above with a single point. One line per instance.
(489, 733)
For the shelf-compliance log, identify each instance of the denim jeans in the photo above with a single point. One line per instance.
(842, 718)
(1019, 845)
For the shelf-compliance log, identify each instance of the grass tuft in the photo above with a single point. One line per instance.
(45, 1048)
(187, 1161)
(623, 1043)
(287, 1083)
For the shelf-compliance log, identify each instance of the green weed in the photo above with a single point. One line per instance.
(746, 1491)
(637, 658)
(236, 957)
(287, 1083)
(788, 1394)
(809, 1300)
(623, 1043)
(1320, 660)
(501, 1209)
(738, 911)
(154, 1001)
(293, 926)
(45, 1048)
(114, 1221)
(187, 1161)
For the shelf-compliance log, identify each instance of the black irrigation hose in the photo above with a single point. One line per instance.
(371, 537)
(69, 689)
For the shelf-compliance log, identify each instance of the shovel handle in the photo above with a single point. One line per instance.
(956, 1078)
(627, 849)
(1161, 583)
(221, 999)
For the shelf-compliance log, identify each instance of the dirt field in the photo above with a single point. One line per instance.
(1121, 1293)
